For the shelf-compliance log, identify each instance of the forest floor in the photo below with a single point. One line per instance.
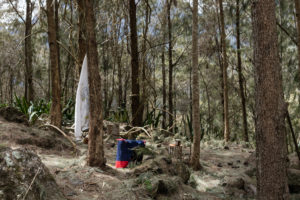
(226, 172)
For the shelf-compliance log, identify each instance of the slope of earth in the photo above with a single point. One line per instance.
(228, 173)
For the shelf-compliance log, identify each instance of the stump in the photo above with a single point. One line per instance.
(175, 150)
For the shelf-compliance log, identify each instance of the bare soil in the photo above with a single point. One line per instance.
(224, 173)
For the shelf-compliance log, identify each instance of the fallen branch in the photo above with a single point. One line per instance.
(136, 129)
(60, 131)
(38, 171)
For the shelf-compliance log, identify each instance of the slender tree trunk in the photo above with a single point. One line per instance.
(144, 62)
(191, 101)
(49, 80)
(81, 38)
(96, 151)
(225, 66)
(120, 87)
(56, 116)
(105, 81)
(29, 90)
(11, 86)
(239, 68)
(297, 7)
(270, 106)
(170, 65)
(163, 67)
(195, 158)
(135, 86)
(221, 79)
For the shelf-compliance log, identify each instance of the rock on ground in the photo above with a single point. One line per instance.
(164, 165)
(20, 169)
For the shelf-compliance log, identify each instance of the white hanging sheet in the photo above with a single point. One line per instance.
(82, 101)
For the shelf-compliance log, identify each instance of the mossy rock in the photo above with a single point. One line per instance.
(21, 168)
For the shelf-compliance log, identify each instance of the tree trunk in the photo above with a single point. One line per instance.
(297, 6)
(195, 97)
(239, 68)
(144, 62)
(170, 65)
(135, 86)
(81, 38)
(56, 116)
(270, 106)
(120, 86)
(29, 90)
(221, 79)
(163, 67)
(225, 66)
(96, 151)
(57, 34)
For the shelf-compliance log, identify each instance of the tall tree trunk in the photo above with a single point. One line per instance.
(225, 66)
(297, 6)
(29, 90)
(57, 33)
(191, 100)
(11, 86)
(56, 116)
(270, 106)
(239, 68)
(96, 151)
(163, 67)
(135, 86)
(144, 62)
(120, 86)
(170, 65)
(195, 97)
(81, 38)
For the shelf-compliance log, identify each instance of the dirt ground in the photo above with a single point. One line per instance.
(225, 173)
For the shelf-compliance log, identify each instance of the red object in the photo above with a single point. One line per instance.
(121, 164)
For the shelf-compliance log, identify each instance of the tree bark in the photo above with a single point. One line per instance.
(29, 90)
(225, 66)
(163, 68)
(56, 116)
(95, 149)
(170, 65)
(270, 106)
(144, 62)
(297, 7)
(57, 34)
(195, 97)
(135, 86)
(239, 68)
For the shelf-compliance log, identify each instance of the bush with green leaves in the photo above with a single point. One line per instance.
(32, 109)
(121, 115)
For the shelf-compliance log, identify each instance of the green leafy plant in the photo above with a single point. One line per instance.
(121, 115)
(152, 118)
(33, 109)
(69, 110)
(21, 104)
(2, 105)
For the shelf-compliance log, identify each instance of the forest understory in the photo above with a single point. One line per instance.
(212, 87)
(228, 172)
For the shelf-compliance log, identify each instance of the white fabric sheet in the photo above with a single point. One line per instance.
(82, 101)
